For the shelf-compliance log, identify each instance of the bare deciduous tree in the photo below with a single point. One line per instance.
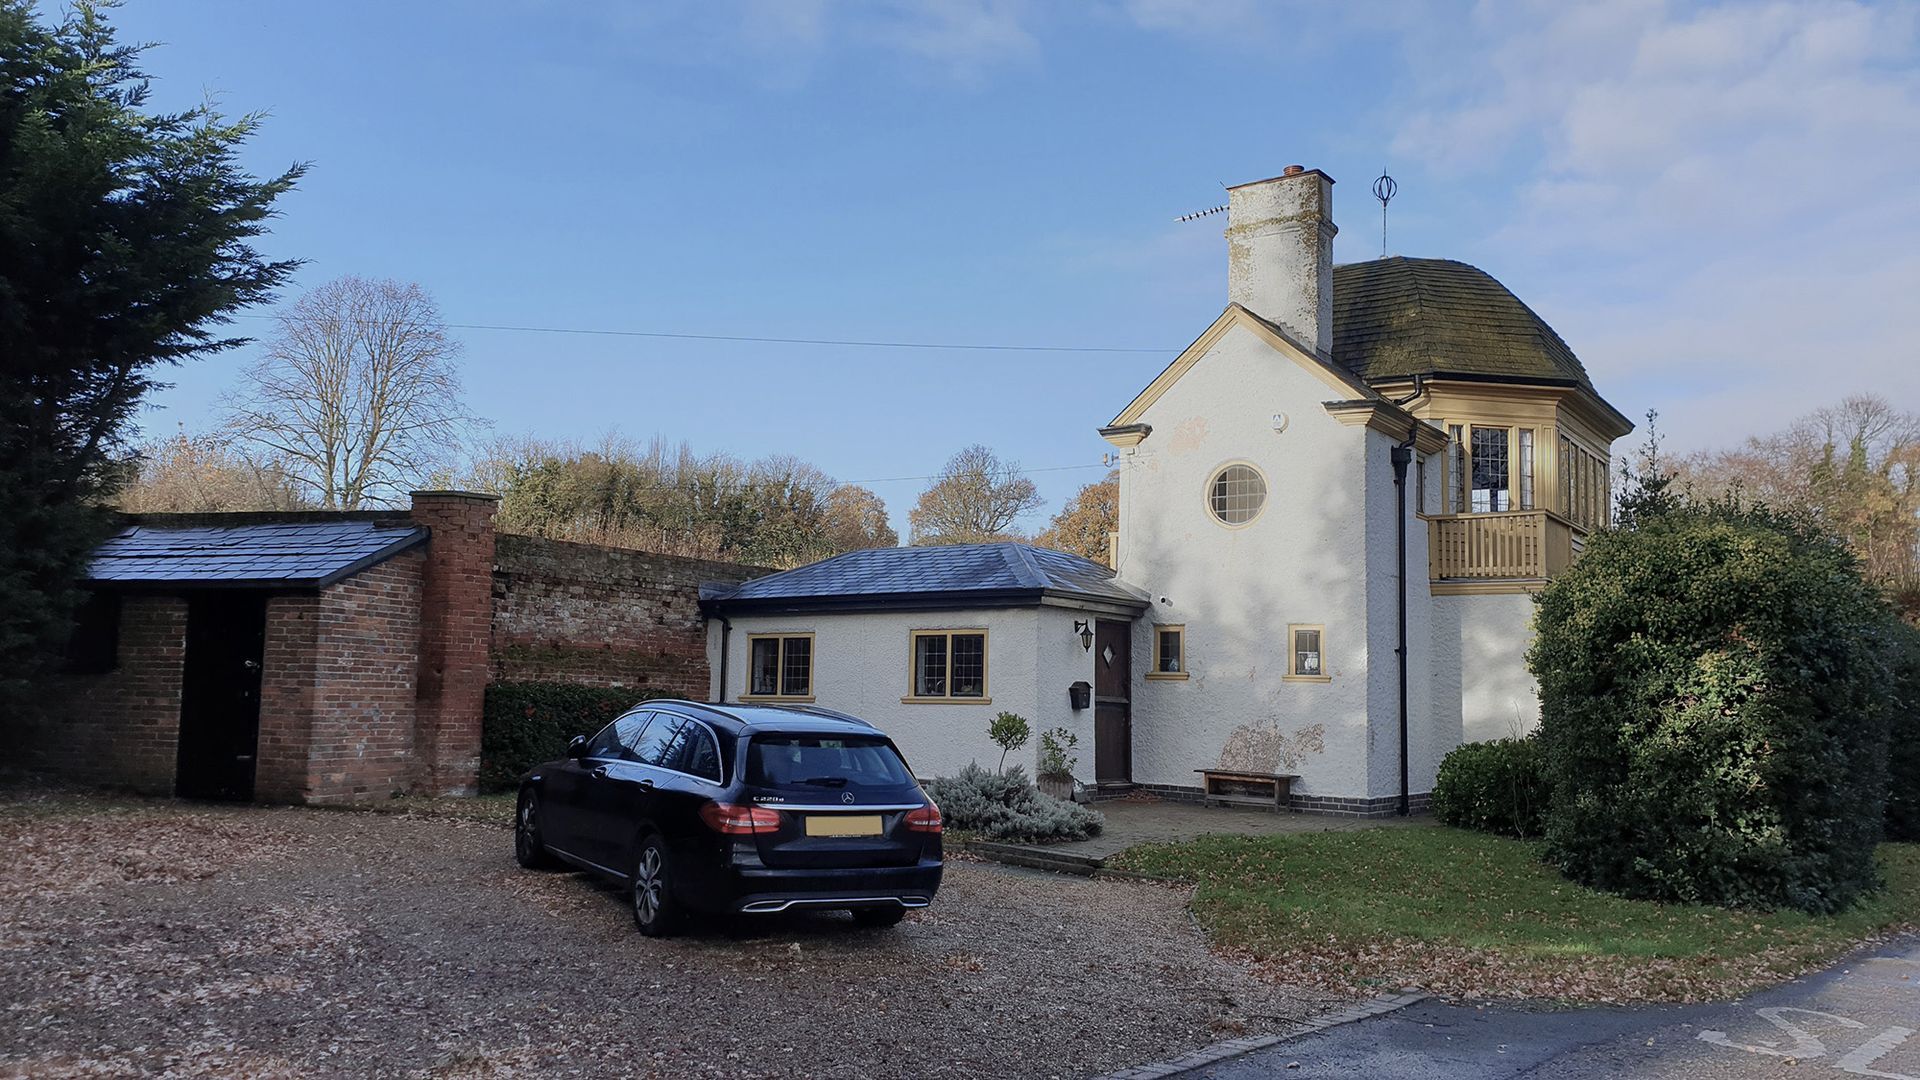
(357, 391)
(977, 498)
(1855, 466)
(204, 473)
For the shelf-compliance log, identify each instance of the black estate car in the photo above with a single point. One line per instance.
(737, 808)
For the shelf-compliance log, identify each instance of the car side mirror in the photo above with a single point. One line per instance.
(577, 746)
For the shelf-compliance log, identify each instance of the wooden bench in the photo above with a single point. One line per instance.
(1229, 787)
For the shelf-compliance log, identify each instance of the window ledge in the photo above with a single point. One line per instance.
(1306, 678)
(776, 698)
(946, 700)
(1166, 676)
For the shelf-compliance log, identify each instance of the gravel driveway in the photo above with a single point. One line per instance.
(159, 938)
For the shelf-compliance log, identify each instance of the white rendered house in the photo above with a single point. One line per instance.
(1334, 506)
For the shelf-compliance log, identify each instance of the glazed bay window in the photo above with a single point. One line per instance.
(780, 666)
(1306, 656)
(949, 665)
(1169, 653)
(1491, 480)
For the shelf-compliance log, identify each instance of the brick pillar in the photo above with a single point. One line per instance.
(456, 625)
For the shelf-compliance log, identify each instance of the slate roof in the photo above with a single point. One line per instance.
(1398, 317)
(298, 554)
(947, 576)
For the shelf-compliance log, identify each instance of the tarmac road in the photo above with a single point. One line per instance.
(1861, 1018)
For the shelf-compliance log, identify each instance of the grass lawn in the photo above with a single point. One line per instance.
(1466, 913)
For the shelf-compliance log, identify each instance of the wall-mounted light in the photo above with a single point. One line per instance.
(1085, 630)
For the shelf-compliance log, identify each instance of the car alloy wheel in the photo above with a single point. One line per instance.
(654, 910)
(647, 886)
(528, 849)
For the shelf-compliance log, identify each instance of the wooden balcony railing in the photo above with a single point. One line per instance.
(1512, 544)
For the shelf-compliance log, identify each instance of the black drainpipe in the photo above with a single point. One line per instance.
(726, 631)
(1402, 457)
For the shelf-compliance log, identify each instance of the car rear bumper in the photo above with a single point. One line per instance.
(760, 890)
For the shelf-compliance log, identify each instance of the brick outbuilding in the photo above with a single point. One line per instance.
(308, 657)
(334, 657)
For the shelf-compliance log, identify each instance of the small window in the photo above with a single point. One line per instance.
(1456, 470)
(950, 665)
(1306, 653)
(1236, 494)
(1526, 468)
(1490, 473)
(780, 666)
(1169, 653)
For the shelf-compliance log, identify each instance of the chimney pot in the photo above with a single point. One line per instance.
(1293, 170)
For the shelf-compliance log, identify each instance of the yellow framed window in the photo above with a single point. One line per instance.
(1306, 653)
(1169, 653)
(780, 666)
(948, 665)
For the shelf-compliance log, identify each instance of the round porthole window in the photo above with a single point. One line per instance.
(1236, 494)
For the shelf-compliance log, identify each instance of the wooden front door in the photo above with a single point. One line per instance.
(1112, 702)
(220, 695)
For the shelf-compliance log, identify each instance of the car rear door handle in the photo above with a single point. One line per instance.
(646, 783)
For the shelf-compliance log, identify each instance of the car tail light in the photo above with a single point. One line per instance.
(736, 820)
(925, 819)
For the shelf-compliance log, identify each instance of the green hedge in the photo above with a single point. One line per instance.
(1714, 712)
(1496, 787)
(527, 723)
(1903, 748)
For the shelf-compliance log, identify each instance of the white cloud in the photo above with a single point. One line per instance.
(1716, 201)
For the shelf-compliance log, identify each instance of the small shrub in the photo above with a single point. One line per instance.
(1495, 787)
(1010, 732)
(526, 723)
(1057, 758)
(1714, 709)
(1004, 806)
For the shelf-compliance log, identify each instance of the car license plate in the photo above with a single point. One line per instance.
(844, 825)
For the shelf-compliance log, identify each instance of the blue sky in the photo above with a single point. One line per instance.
(1712, 203)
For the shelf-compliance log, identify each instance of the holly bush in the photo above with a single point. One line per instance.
(1714, 712)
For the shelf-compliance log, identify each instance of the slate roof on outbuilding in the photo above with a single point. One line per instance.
(924, 578)
(293, 554)
(1399, 317)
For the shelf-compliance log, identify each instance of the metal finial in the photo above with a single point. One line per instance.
(1384, 189)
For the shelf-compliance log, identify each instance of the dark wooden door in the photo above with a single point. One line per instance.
(1112, 702)
(220, 695)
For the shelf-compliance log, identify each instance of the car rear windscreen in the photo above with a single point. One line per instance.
(824, 761)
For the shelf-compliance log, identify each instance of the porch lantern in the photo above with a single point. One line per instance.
(1085, 630)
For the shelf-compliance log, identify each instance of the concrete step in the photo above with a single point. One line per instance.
(1035, 857)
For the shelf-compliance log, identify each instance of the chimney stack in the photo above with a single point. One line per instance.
(1280, 252)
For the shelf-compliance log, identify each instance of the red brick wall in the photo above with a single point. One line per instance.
(123, 727)
(455, 625)
(602, 616)
(287, 666)
(365, 697)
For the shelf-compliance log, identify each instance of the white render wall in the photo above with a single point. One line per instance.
(1480, 645)
(1303, 560)
(862, 666)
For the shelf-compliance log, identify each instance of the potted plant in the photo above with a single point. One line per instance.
(1057, 759)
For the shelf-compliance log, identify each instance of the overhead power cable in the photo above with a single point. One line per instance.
(842, 342)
